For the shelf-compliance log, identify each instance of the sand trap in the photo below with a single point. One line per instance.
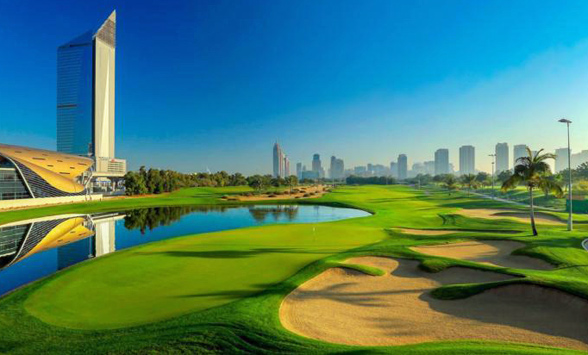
(540, 218)
(493, 252)
(318, 191)
(427, 232)
(352, 308)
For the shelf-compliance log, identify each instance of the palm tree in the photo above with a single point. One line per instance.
(450, 183)
(533, 172)
(469, 181)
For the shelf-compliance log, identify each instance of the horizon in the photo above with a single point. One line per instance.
(204, 85)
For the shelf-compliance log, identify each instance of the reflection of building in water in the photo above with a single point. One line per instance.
(260, 213)
(72, 235)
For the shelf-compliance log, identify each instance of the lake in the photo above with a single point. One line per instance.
(33, 249)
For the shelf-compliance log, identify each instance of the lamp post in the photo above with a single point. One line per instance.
(570, 221)
(493, 169)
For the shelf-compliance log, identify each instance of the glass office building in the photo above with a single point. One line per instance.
(85, 93)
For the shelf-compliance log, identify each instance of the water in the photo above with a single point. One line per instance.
(33, 249)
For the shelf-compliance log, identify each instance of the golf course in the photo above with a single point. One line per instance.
(426, 272)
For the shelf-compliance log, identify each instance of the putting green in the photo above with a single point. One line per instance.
(162, 280)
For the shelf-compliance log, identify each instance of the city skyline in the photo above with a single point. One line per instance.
(188, 121)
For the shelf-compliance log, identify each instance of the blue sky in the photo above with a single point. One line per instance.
(212, 84)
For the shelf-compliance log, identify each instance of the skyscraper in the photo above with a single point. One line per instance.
(286, 166)
(442, 161)
(402, 166)
(316, 163)
(337, 169)
(519, 151)
(299, 170)
(85, 98)
(394, 169)
(467, 159)
(278, 160)
(502, 161)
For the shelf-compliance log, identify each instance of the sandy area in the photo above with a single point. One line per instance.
(319, 190)
(348, 307)
(540, 218)
(493, 252)
(427, 232)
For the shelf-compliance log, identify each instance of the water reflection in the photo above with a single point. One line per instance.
(21, 240)
(260, 213)
(33, 249)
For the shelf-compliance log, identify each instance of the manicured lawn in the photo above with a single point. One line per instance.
(220, 292)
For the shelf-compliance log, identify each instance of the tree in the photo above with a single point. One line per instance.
(532, 171)
(450, 183)
(483, 178)
(504, 175)
(291, 180)
(469, 181)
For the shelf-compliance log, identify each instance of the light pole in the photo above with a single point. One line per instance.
(493, 161)
(570, 221)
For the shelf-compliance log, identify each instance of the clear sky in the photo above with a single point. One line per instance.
(212, 84)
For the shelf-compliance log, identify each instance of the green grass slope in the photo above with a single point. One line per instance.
(220, 292)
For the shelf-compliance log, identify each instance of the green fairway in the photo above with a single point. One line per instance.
(220, 292)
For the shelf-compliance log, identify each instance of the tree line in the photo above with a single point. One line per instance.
(155, 181)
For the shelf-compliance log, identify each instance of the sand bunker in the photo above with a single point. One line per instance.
(303, 192)
(493, 252)
(427, 231)
(540, 218)
(342, 306)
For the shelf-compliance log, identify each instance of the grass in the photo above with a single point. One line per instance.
(220, 292)
(521, 195)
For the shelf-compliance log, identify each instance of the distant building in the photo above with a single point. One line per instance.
(394, 169)
(429, 167)
(467, 159)
(310, 175)
(402, 167)
(360, 171)
(316, 163)
(519, 151)
(561, 159)
(299, 170)
(579, 158)
(442, 161)
(286, 166)
(502, 161)
(337, 169)
(278, 161)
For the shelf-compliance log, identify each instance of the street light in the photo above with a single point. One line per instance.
(570, 222)
(493, 161)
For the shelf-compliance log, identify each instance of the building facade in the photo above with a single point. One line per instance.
(337, 169)
(402, 166)
(278, 161)
(86, 99)
(467, 159)
(316, 163)
(442, 161)
(519, 151)
(35, 173)
(502, 159)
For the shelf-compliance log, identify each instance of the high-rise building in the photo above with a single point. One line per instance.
(402, 167)
(442, 161)
(467, 159)
(502, 161)
(337, 169)
(579, 158)
(278, 161)
(394, 169)
(316, 163)
(86, 98)
(519, 151)
(286, 166)
(561, 159)
(299, 170)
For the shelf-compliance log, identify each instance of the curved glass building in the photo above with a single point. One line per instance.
(35, 173)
